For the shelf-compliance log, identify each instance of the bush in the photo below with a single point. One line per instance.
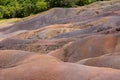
(68, 3)
(4, 11)
(84, 2)
(1, 15)
(41, 6)
(21, 8)
(61, 3)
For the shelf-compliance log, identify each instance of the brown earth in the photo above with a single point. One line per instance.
(80, 43)
(43, 67)
(88, 47)
(109, 60)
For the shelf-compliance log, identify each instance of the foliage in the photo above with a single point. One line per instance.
(68, 3)
(22, 8)
(41, 6)
(61, 3)
(84, 2)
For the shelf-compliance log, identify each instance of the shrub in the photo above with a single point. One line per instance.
(21, 8)
(1, 15)
(84, 2)
(41, 6)
(61, 3)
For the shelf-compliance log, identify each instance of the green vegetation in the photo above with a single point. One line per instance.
(84, 2)
(61, 3)
(68, 3)
(23, 8)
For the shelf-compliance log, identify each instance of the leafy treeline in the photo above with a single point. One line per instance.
(22, 8)
(68, 3)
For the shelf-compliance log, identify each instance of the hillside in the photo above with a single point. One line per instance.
(80, 43)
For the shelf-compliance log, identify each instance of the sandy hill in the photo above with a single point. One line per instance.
(80, 43)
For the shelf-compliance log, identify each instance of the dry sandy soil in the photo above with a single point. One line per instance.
(63, 44)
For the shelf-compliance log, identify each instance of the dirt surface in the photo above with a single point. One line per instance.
(80, 43)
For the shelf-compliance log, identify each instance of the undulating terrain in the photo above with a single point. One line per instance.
(80, 43)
